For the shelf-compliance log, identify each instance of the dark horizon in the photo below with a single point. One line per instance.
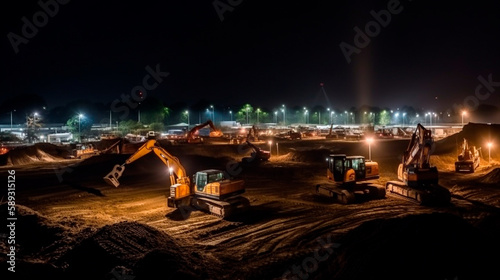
(428, 55)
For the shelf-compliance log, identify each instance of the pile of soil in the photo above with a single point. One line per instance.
(307, 155)
(34, 233)
(477, 134)
(493, 177)
(426, 246)
(132, 245)
(39, 152)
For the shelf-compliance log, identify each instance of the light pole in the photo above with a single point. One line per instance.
(187, 113)
(404, 114)
(319, 117)
(489, 151)
(79, 121)
(463, 114)
(276, 117)
(284, 114)
(34, 123)
(231, 115)
(369, 140)
(258, 111)
(11, 119)
(213, 113)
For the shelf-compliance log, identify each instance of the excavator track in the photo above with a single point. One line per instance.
(430, 195)
(221, 208)
(360, 190)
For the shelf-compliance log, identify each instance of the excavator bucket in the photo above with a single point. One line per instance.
(112, 177)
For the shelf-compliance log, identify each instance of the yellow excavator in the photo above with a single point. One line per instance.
(418, 180)
(209, 190)
(468, 159)
(349, 178)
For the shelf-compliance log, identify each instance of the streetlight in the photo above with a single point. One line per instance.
(463, 114)
(346, 116)
(80, 116)
(34, 123)
(187, 113)
(284, 114)
(231, 114)
(489, 151)
(404, 114)
(11, 119)
(276, 117)
(369, 140)
(270, 145)
(213, 113)
(258, 111)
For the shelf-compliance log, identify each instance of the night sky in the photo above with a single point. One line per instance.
(267, 53)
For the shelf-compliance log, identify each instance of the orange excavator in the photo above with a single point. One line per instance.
(468, 160)
(193, 137)
(418, 179)
(209, 190)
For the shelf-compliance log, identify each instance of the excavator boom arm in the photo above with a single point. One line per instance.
(418, 151)
(172, 162)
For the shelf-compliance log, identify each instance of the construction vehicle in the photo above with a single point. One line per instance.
(253, 134)
(418, 180)
(468, 159)
(84, 151)
(331, 134)
(193, 137)
(209, 190)
(351, 178)
(290, 135)
(257, 155)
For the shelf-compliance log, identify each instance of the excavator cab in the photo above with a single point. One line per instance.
(345, 169)
(351, 176)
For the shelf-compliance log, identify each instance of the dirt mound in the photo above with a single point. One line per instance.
(427, 246)
(120, 245)
(307, 155)
(39, 152)
(34, 233)
(493, 177)
(477, 134)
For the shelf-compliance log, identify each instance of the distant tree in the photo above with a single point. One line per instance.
(244, 115)
(384, 117)
(80, 125)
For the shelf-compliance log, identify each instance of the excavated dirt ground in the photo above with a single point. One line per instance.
(71, 225)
